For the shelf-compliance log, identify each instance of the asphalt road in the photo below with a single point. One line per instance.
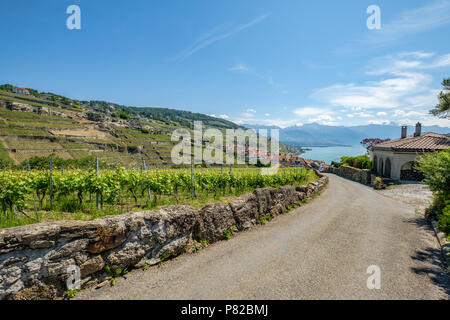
(319, 251)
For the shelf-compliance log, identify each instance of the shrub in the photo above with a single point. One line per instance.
(360, 162)
(379, 183)
(444, 219)
(227, 234)
(436, 169)
(123, 115)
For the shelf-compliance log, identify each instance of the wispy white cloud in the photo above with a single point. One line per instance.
(364, 115)
(418, 61)
(389, 93)
(240, 67)
(380, 121)
(309, 111)
(417, 54)
(430, 16)
(215, 35)
(243, 68)
(314, 114)
(249, 113)
(409, 22)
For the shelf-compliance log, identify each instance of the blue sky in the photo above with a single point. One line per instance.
(280, 63)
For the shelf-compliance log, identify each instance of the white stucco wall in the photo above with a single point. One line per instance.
(398, 159)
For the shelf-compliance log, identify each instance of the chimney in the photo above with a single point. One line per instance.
(418, 130)
(404, 131)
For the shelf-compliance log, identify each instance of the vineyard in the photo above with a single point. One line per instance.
(30, 196)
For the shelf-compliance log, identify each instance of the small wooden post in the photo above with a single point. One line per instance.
(51, 182)
(98, 174)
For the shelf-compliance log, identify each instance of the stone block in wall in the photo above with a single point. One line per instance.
(213, 220)
(289, 196)
(175, 221)
(372, 179)
(245, 211)
(165, 230)
(92, 265)
(366, 177)
(279, 197)
(264, 198)
(172, 248)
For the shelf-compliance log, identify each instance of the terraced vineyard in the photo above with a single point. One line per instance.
(40, 124)
(74, 133)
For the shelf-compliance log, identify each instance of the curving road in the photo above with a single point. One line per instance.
(319, 251)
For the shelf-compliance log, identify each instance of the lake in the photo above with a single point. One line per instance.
(329, 154)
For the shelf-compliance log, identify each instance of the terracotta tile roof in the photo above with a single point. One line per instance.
(429, 141)
(20, 88)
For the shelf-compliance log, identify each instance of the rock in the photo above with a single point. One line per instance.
(213, 220)
(34, 266)
(109, 238)
(245, 211)
(58, 269)
(39, 291)
(69, 249)
(40, 244)
(127, 255)
(277, 210)
(264, 199)
(10, 275)
(96, 117)
(91, 266)
(301, 196)
(18, 237)
(79, 229)
(12, 260)
(289, 197)
(177, 220)
(171, 249)
(303, 189)
(37, 232)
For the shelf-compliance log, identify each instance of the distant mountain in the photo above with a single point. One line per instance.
(317, 135)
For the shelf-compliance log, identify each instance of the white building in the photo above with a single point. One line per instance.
(396, 158)
(21, 90)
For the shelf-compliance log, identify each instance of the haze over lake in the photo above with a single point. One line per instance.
(329, 154)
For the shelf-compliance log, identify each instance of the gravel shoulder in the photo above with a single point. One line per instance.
(416, 195)
(319, 251)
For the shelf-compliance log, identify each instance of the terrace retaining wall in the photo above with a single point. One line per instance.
(359, 175)
(34, 259)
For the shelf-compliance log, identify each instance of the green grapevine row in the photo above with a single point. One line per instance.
(19, 187)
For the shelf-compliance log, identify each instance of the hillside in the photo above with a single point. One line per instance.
(39, 124)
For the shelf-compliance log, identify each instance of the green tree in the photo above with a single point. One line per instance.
(436, 169)
(442, 109)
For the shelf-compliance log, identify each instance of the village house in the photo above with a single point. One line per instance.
(297, 162)
(395, 159)
(20, 90)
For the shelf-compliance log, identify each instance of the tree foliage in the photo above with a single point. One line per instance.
(369, 142)
(443, 108)
(436, 169)
(360, 162)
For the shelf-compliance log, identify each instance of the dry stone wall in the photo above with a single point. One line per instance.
(34, 259)
(355, 174)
